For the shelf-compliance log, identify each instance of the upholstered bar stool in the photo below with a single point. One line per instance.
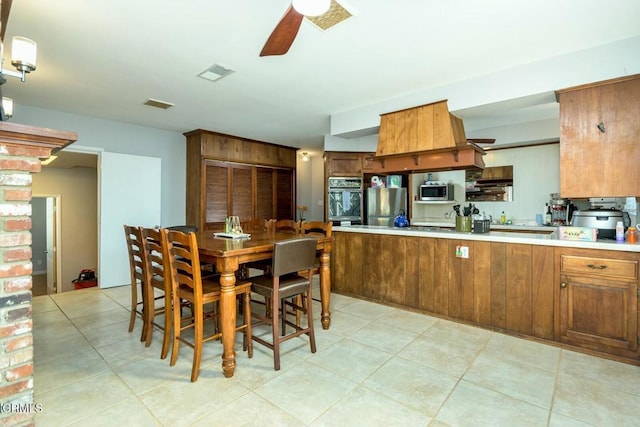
(282, 285)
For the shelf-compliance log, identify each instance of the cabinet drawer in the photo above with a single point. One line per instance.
(627, 269)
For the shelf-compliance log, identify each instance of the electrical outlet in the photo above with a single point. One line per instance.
(462, 251)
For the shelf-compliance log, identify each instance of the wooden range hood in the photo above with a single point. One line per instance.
(424, 139)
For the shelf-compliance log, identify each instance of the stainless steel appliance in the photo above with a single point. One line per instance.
(344, 200)
(433, 191)
(384, 204)
(603, 219)
(561, 210)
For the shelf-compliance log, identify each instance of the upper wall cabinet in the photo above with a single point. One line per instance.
(599, 139)
(338, 163)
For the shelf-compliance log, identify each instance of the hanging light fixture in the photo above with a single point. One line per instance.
(311, 7)
(23, 57)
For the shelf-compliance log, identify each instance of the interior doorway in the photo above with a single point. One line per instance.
(45, 229)
(64, 239)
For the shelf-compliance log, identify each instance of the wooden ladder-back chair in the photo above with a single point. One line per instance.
(286, 226)
(284, 283)
(316, 228)
(253, 226)
(133, 237)
(208, 269)
(158, 270)
(188, 284)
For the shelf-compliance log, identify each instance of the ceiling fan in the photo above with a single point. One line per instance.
(286, 31)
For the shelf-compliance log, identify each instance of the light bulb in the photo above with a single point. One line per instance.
(311, 7)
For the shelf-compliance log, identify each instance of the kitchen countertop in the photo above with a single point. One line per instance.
(523, 237)
(520, 225)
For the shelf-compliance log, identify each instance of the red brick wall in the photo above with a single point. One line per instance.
(16, 340)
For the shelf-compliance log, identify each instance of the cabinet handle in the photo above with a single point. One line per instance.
(563, 285)
(597, 267)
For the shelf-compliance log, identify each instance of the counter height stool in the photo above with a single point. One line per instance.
(282, 284)
(188, 284)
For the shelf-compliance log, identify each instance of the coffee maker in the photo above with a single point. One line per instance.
(561, 210)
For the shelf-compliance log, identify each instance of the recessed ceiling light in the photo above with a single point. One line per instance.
(158, 104)
(215, 72)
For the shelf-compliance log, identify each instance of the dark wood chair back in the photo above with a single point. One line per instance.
(286, 226)
(157, 273)
(317, 228)
(133, 237)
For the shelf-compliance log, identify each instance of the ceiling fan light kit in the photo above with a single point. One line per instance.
(311, 7)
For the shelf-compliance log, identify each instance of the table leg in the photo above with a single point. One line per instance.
(227, 268)
(325, 289)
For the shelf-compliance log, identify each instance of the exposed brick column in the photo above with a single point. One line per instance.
(21, 148)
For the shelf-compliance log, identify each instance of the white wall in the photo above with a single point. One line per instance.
(612, 60)
(536, 174)
(310, 187)
(118, 137)
(38, 235)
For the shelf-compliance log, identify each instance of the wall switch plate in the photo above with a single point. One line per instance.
(462, 251)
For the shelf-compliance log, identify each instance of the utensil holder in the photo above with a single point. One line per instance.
(463, 223)
(481, 226)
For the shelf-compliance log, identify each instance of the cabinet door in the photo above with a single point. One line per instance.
(265, 193)
(242, 195)
(599, 313)
(599, 131)
(344, 164)
(285, 190)
(216, 193)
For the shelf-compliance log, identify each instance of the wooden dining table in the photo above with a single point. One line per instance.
(229, 254)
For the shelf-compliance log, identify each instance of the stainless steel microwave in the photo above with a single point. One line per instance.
(436, 192)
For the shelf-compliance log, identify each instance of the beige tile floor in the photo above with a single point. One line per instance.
(376, 366)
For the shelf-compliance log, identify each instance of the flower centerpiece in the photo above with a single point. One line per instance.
(301, 210)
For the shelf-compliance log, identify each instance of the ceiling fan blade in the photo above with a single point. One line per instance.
(283, 35)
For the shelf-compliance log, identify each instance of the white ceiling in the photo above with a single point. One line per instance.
(104, 58)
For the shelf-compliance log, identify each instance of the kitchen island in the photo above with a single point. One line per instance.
(580, 294)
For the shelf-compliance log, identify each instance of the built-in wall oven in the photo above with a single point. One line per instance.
(344, 200)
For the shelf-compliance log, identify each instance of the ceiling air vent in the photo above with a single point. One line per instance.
(158, 104)
(335, 15)
(215, 72)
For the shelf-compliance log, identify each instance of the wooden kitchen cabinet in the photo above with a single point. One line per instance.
(599, 130)
(227, 175)
(338, 164)
(504, 286)
(597, 300)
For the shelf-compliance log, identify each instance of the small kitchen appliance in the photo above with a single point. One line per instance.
(436, 191)
(561, 210)
(604, 219)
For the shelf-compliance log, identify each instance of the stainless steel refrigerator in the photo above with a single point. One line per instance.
(384, 204)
